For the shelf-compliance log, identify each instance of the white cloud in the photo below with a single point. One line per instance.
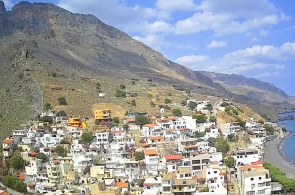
(112, 12)
(158, 26)
(276, 74)
(243, 8)
(262, 59)
(8, 4)
(170, 5)
(192, 61)
(216, 44)
(231, 16)
(152, 40)
(223, 24)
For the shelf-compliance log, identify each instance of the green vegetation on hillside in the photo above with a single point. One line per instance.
(279, 176)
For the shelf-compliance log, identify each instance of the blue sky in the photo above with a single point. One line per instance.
(254, 38)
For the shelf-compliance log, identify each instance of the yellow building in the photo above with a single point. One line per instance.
(103, 117)
(77, 122)
(103, 114)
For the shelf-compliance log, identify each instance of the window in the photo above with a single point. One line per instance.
(252, 185)
(261, 191)
(209, 173)
(215, 172)
(259, 178)
(250, 193)
(252, 179)
(261, 184)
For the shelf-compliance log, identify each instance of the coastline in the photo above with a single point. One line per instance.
(274, 155)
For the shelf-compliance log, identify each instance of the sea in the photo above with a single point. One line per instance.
(288, 145)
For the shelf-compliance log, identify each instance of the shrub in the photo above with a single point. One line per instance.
(62, 101)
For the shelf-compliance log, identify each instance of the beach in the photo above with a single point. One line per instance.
(274, 156)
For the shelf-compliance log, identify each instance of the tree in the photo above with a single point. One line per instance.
(141, 120)
(116, 121)
(169, 94)
(122, 86)
(212, 119)
(176, 112)
(230, 162)
(98, 86)
(222, 145)
(87, 137)
(61, 151)
(231, 138)
(126, 127)
(199, 134)
(224, 104)
(211, 141)
(209, 107)
(17, 162)
(120, 93)
(152, 104)
(48, 106)
(14, 183)
(139, 156)
(61, 113)
(261, 121)
(201, 118)
(183, 102)
(241, 122)
(167, 101)
(192, 105)
(41, 156)
(133, 103)
(62, 101)
(47, 119)
(20, 186)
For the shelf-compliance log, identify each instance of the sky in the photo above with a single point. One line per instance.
(254, 38)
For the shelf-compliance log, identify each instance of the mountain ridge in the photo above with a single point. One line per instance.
(60, 53)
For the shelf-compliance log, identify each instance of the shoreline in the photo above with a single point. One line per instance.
(274, 155)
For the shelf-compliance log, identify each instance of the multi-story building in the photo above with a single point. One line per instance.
(245, 156)
(184, 182)
(77, 122)
(56, 171)
(103, 116)
(151, 161)
(198, 161)
(7, 148)
(229, 128)
(254, 180)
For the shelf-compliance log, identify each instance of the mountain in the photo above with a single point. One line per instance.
(48, 52)
(250, 87)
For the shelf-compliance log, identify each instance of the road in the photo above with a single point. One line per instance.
(13, 192)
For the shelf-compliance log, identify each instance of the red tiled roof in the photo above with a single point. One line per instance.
(121, 184)
(191, 146)
(4, 193)
(22, 176)
(150, 125)
(257, 163)
(151, 152)
(8, 141)
(156, 138)
(173, 157)
(33, 153)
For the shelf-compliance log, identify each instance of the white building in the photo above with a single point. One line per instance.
(245, 156)
(254, 180)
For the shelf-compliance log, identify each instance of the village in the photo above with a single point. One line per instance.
(139, 154)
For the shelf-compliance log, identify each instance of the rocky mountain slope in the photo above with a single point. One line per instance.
(250, 87)
(48, 52)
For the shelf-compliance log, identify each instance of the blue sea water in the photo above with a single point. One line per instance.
(288, 145)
